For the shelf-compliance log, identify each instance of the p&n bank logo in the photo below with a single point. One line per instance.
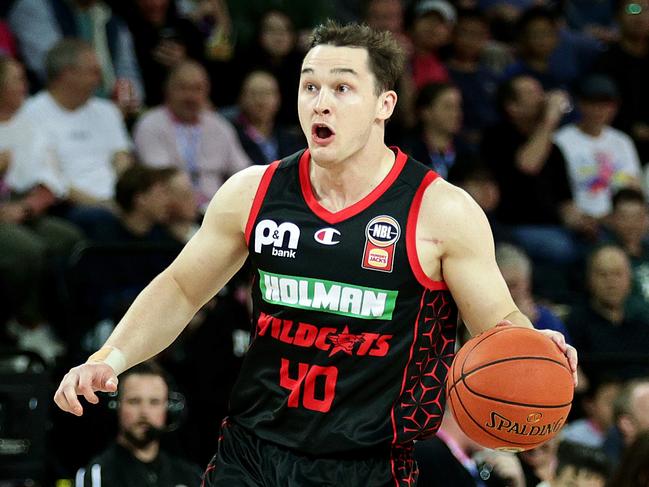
(283, 237)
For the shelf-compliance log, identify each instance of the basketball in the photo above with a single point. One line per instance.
(510, 388)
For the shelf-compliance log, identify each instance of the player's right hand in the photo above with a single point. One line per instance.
(84, 380)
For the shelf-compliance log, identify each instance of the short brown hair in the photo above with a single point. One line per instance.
(386, 58)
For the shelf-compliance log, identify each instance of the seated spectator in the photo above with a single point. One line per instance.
(464, 462)
(597, 403)
(388, 15)
(263, 140)
(599, 158)
(162, 40)
(183, 214)
(628, 225)
(516, 268)
(135, 457)
(605, 324)
(39, 25)
(439, 115)
(627, 63)
(471, 75)
(634, 467)
(547, 51)
(631, 419)
(275, 50)
(579, 466)
(430, 29)
(596, 19)
(87, 133)
(530, 171)
(142, 197)
(30, 241)
(185, 133)
(539, 463)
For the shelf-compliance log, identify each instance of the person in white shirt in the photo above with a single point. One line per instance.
(599, 158)
(186, 134)
(88, 135)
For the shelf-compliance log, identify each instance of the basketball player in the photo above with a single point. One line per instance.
(360, 255)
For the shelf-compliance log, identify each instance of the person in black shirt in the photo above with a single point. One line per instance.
(135, 458)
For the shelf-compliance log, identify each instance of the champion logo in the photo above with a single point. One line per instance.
(327, 236)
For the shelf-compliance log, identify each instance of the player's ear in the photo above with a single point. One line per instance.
(385, 104)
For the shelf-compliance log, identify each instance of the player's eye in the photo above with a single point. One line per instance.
(343, 88)
(309, 87)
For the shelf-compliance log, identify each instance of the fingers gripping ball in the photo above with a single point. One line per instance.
(510, 388)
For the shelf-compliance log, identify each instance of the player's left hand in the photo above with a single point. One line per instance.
(569, 351)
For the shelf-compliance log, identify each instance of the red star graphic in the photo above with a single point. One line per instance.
(344, 341)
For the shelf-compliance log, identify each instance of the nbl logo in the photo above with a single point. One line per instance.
(267, 232)
(381, 236)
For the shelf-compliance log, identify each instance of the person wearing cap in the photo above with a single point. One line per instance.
(431, 25)
(600, 159)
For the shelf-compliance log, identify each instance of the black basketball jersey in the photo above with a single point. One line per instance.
(352, 340)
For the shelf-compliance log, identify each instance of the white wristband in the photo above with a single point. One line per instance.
(111, 356)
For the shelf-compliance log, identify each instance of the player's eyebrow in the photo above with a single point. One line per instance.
(333, 70)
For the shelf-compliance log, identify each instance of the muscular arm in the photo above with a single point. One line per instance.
(465, 250)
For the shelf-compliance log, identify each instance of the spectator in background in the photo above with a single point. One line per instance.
(627, 63)
(516, 269)
(475, 79)
(628, 224)
(388, 15)
(597, 403)
(142, 196)
(261, 137)
(183, 214)
(162, 41)
(631, 416)
(539, 463)
(439, 113)
(186, 134)
(548, 51)
(530, 170)
(597, 19)
(29, 239)
(135, 458)
(430, 29)
(599, 158)
(634, 467)
(579, 466)
(275, 50)
(604, 324)
(464, 462)
(87, 133)
(39, 25)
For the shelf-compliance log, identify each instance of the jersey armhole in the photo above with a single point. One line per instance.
(411, 237)
(259, 197)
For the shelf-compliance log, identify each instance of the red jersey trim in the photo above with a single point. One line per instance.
(411, 237)
(359, 206)
(259, 198)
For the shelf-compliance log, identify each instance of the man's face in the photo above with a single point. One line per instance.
(530, 98)
(541, 38)
(142, 404)
(337, 102)
(155, 203)
(600, 407)
(518, 281)
(609, 278)
(640, 407)
(571, 477)
(430, 32)
(84, 78)
(598, 112)
(470, 38)
(277, 36)
(182, 201)
(187, 94)
(630, 221)
(14, 88)
(260, 97)
(445, 112)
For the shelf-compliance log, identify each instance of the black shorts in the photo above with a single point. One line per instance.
(244, 460)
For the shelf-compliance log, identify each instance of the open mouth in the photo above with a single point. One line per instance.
(322, 134)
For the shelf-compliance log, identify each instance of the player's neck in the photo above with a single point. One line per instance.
(341, 185)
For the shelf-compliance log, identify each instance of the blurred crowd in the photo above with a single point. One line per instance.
(120, 120)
